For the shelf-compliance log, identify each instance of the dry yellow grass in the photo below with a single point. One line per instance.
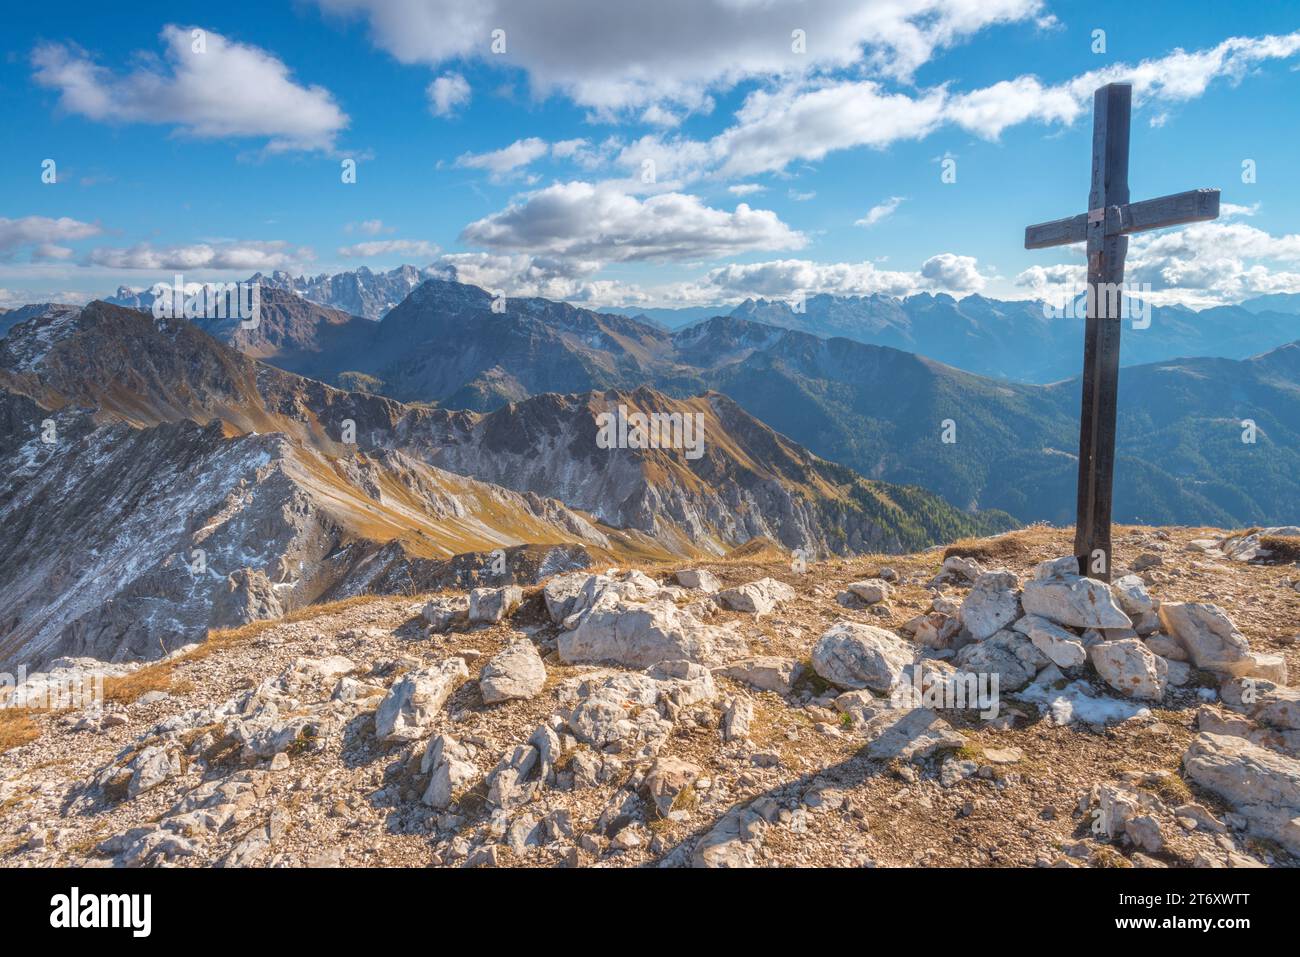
(17, 728)
(1284, 550)
(985, 549)
(128, 688)
(760, 549)
(225, 637)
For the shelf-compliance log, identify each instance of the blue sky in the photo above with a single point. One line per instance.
(525, 170)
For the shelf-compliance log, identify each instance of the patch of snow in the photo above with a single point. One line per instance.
(1076, 702)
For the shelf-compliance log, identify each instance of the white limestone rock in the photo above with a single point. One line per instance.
(1063, 648)
(851, 655)
(151, 767)
(872, 590)
(1166, 647)
(1262, 785)
(765, 672)
(1264, 701)
(667, 780)
(684, 682)
(1130, 593)
(758, 597)
(561, 594)
(629, 713)
(732, 842)
(450, 770)
(993, 603)
(1208, 636)
(698, 579)
(1268, 667)
(440, 613)
(517, 673)
(1180, 672)
(1129, 667)
(414, 700)
(315, 676)
(946, 606)
(1074, 601)
(1008, 654)
(963, 569)
(936, 630)
(737, 717)
(909, 734)
(637, 634)
(1065, 567)
(490, 605)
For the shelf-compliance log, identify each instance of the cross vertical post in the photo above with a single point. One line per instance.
(1112, 105)
(1105, 229)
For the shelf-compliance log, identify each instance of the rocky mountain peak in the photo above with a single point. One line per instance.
(738, 712)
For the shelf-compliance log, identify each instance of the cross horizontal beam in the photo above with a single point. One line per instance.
(1193, 206)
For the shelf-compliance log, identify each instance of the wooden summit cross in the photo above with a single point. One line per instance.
(1105, 227)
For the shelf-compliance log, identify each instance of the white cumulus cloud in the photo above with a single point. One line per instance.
(593, 221)
(255, 255)
(44, 233)
(782, 278)
(881, 211)
(506, 160)
(613, 57)
(447, 94)
(804, 120)
(952, 273)
(223, 89)
(524, 275)
(1199, 265)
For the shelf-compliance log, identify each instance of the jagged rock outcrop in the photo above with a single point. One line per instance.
(744, 481)
(414, 700)
(1263, 785)
(628, 624)
(157, 485)
(129, 542)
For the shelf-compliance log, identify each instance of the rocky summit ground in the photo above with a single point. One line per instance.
(745, 713)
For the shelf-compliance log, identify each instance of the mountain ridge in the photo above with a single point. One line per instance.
(1011, 339)
(254, 467)
(874, 408)
(1017, 340)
